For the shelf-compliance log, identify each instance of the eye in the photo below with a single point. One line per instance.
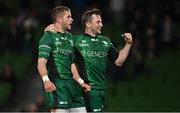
(69, 16)
(98, 22)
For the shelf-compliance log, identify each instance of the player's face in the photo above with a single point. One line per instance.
(67, 20)
(96, 24)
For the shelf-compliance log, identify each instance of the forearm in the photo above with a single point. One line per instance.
(76, 75)
(42, 67)
(77, 78)
(74, 72)
(123, 54)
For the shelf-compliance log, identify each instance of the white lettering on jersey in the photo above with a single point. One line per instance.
(63, 102)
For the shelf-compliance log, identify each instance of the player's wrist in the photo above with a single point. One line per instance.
(45, 78)
(80, 81)
(129, 44)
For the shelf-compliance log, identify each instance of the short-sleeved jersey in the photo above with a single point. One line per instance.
(58, 49)
(92, 54)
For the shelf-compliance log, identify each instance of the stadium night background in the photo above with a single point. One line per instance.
(149, 79)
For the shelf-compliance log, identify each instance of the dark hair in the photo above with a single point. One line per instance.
(87, 16)
(58, 10)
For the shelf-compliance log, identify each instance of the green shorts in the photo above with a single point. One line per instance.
(95, 100)
(68, 94)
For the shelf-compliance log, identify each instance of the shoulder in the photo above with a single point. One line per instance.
(78, 37)
(104, 38)
(47, 37)
(68, 33)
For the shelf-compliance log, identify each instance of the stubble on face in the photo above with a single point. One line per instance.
(67, 20)
(96, 24)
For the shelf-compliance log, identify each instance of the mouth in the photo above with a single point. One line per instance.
(99, 29)
(70, 25)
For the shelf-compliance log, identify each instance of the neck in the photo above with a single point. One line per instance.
(59, 28)
(89, 32)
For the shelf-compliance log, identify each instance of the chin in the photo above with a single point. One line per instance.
(69, 28)
(99, 32)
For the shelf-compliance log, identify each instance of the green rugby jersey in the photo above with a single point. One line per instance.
(58, 49)
(92, 54)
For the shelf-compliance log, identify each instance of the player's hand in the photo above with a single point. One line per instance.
(86, 87)
(49, 86)
(50, 28)
(128, 38)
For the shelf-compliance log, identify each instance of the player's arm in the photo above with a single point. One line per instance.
(123, 53)
(45, 48)
(77, 78)
(48, 85)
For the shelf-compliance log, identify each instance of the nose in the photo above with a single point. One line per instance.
(101, 25)
(72, 19)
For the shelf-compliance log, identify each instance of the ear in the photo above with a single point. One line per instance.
(59, 19)
(87, 24)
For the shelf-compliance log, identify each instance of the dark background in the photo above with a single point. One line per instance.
(148, 81)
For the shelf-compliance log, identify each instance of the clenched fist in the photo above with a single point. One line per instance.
(128, 38)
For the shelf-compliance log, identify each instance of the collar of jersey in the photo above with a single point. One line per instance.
(89, 35)
(61, 33)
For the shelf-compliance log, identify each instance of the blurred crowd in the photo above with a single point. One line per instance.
(153, 23)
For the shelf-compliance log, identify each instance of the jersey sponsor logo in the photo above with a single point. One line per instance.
(62, 51)
(57, 42)
(83, 43)
(96, 110)
(94, 53)
(93, 39)
(63, 102)
(99, 109)
(105, 44)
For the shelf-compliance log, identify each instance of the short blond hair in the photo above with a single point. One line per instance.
(88, 14)
(58, 10)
